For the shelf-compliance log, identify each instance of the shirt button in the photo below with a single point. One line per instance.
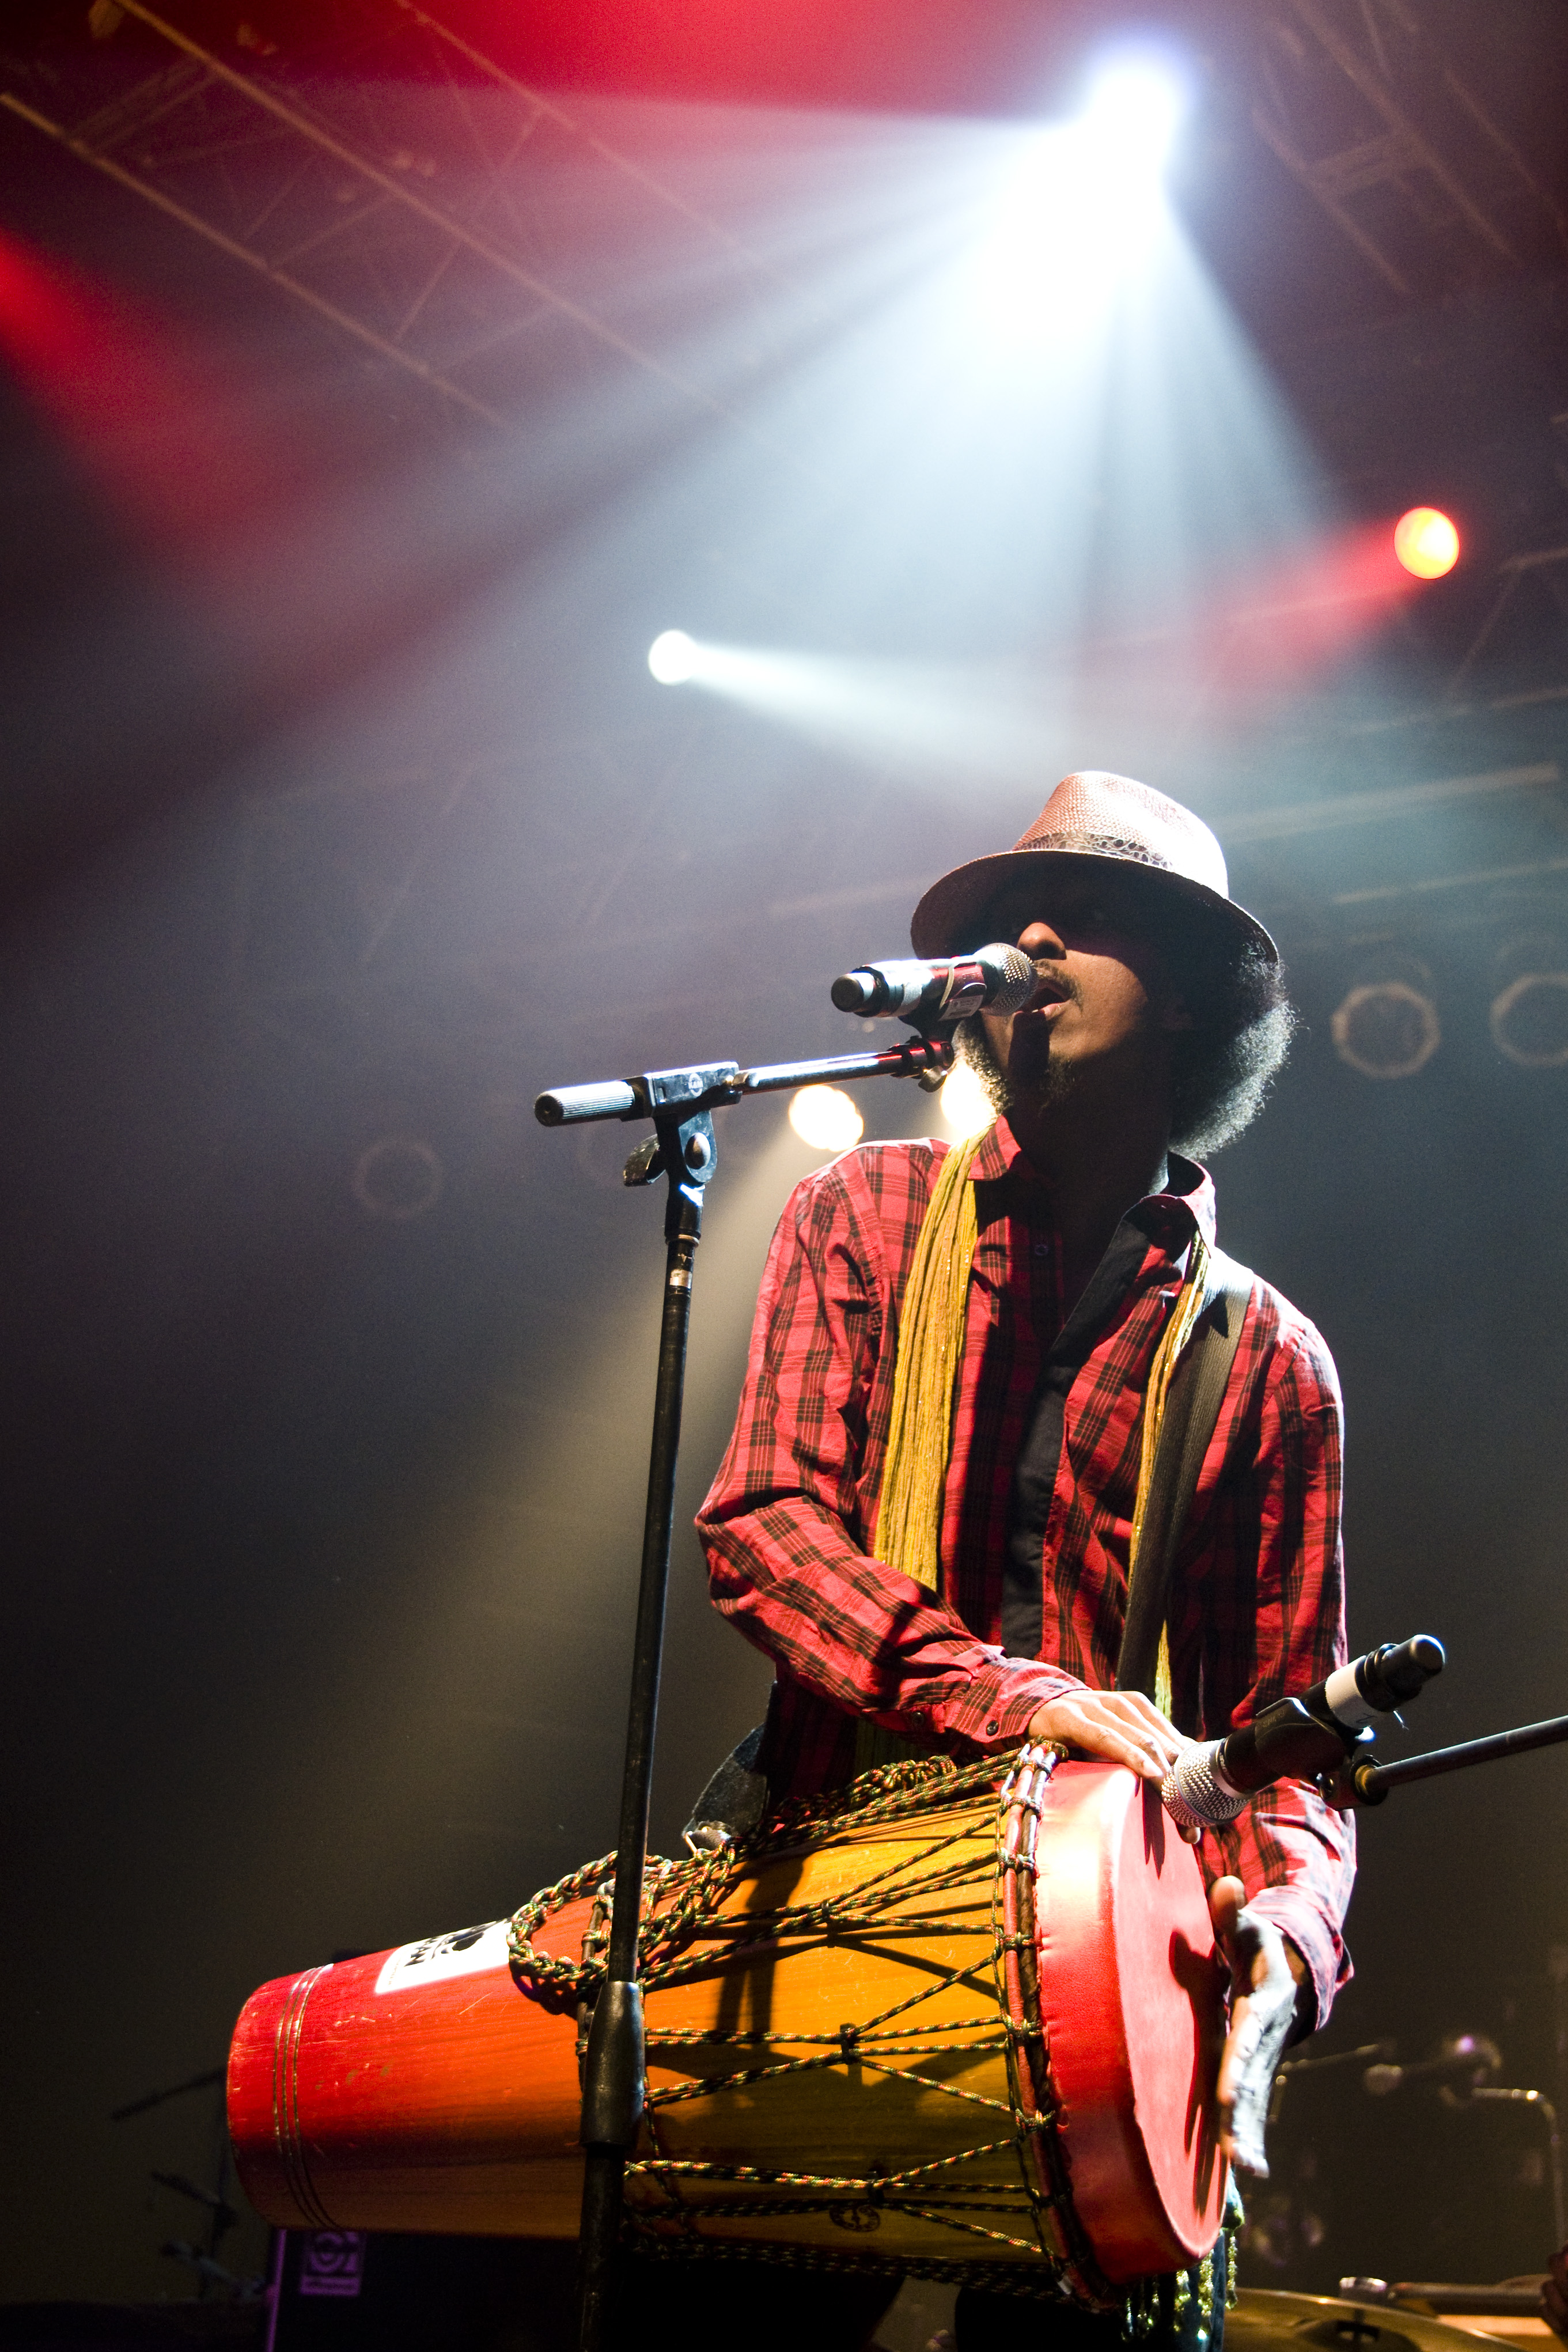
(993, 1728)
(1042, 1249)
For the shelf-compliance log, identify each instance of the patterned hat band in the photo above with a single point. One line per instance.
(1099, 845)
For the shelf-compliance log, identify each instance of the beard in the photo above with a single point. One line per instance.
(1048, 1084)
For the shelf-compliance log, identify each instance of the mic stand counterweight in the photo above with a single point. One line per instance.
(683, 1150)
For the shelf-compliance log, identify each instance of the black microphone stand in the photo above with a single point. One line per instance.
(1369, 1783)
(683, 1150)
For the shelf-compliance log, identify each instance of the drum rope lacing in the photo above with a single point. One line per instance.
(681, 1908)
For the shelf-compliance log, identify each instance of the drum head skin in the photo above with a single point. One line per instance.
(1131, 2000)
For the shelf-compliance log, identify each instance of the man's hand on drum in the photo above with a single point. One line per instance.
(1554, 2295)
(1121, 1727)
(1265, 1972)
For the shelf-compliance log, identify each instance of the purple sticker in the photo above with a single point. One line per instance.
(332, 2262)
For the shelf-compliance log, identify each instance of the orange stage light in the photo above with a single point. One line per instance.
(1425, 542)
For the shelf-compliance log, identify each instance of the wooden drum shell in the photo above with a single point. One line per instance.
(447, 2100)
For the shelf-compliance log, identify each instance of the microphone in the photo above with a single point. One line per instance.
(1300, 1738)
(1472, 2054)
(949, 989)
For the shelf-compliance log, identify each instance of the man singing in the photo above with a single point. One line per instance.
(1158, 1020)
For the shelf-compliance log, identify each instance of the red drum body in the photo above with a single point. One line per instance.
(418, 2089)
(938, 2028)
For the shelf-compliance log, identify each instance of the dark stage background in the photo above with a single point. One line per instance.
(342, 815)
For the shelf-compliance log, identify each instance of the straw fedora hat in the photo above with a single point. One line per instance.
(1096, 817)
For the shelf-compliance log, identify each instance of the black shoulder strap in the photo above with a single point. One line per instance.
(1192, 1412)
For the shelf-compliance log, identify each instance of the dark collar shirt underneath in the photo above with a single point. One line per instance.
(1038, 1507)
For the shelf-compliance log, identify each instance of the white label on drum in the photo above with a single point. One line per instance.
(463, 1953)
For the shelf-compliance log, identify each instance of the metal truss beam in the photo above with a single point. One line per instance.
(394, 180)
(160, 201)
(1545, 564)
(1404, 159)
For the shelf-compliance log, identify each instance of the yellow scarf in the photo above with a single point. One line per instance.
(1184, 1314)
(924, 1383)
(925, 1374)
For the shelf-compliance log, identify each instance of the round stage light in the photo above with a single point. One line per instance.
(826, 1118)
(1530, 1020)
(398, 1177)
(673, 657)
(1387, 1029)
(1425, 542)
(1134, 109)
(965, 1106)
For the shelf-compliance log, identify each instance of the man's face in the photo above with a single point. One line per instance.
(1105, 1002)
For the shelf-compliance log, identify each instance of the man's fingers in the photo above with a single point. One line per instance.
(1242, 2091)
(1148, 1713)
(1242, 2143)
(1226, 1897)
(1240, 2049)
(1145, 1758)
(1108, 1724)
(1117, 1746)
(1243, 2148)
(1149, 1726)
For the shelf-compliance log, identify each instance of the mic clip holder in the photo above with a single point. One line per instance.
(695, 1151)
(1289, 1741)
(939, 1034)
(1340, 1784)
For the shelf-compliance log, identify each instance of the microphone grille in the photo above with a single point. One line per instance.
(1018, 974)
(1195, 1792)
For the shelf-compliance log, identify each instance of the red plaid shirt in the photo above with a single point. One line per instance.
(1257, 1607)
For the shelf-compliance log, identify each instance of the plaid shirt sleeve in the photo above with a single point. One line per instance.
(1275, 1623)
(788, 1522)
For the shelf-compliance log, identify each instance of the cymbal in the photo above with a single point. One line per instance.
(1267, 2321)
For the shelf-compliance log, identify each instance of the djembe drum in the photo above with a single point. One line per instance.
(940, 2026)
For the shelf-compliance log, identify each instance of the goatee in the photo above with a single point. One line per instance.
(1042, 1089)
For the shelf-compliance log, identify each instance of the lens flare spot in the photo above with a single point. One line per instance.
(673, 657)
(1425, 542)
(965, 1106)
(826, 1118)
